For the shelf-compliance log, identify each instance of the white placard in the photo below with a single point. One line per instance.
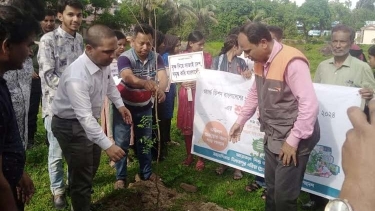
(184, 67)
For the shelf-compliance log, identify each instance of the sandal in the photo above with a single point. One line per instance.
(200, 165)
(264, 194)
(237, 175)
(221, 169)
(252, 187)
(188, 160)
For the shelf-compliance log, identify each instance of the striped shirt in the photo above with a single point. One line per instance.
(144, 70)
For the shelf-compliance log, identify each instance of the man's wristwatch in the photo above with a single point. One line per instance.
(338, 205)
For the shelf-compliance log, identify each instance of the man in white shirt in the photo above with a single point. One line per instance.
(76, 108)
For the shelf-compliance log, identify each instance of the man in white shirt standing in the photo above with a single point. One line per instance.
(76, 109)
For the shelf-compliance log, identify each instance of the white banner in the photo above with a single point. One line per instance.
(184, 67)
(219, 98)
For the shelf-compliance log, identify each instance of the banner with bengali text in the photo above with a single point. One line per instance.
(218, 100)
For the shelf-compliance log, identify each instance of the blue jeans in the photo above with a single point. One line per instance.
(55, 161)
(121, 134)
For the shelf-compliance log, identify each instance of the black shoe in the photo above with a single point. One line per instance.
(59, 202)
(311, 205)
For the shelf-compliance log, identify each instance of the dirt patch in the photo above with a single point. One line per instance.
(209, 206)
(143, 196)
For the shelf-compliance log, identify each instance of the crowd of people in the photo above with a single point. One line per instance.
(123, 84)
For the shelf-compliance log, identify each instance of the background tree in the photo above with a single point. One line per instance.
(314, 14)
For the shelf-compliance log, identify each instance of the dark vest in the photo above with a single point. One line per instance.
(278, 108)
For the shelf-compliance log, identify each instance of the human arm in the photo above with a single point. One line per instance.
(114, 96)
(359, 183)
(25, 188)
(368, 84)
(7, 202)
(46, 61)
(298, 78)
(247, 111)
(317, 78)
(126, 73)
(78, 94)
(162, 78)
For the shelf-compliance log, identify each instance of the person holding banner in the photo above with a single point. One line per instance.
(288, 110)
(229, 61)
(343, 70)
(186, 96)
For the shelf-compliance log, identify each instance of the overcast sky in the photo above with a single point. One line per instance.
(354, 2)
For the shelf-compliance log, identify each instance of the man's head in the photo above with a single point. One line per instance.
(342, 38)
(276, 33)
(121, 43)
(101, 44)
(256, 41)
(17, 34)
(48, 23)
(69, 13)
(143, 39)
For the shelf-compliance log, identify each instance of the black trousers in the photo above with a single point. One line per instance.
(283, 182)
(165, 132)
(35, 96)
(83, 158)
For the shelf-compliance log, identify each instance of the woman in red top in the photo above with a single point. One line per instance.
(185, 115)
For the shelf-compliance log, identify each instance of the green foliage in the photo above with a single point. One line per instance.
(314, 14)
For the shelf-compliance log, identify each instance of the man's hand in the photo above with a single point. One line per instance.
(366, 93)
(25, 188)
(247, 74)
(160, 95)
(287, 154)
(235, 133)
(357, 160)
(126, 115)
(35, 75)
(115, 153)
(150, 85)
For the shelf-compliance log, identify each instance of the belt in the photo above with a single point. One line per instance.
(73, 120)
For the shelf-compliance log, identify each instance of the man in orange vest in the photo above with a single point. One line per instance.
(288, 110)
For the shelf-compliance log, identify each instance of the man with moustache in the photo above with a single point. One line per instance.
(288, 110)
(58, 49)
(343, 70)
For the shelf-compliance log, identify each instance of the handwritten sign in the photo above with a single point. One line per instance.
(219, 99)
(184, 67)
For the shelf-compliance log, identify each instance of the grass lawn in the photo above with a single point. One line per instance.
(222, 190)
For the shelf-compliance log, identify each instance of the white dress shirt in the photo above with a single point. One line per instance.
(80, 95)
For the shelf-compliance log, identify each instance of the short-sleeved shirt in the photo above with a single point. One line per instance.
(144, 70)
(11, 148)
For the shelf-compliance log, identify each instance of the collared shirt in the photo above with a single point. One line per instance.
(353, 73)
(19, 85)
(11, 148)
(81, 94)
(145, 70)
(297, 77)
(57, 50)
